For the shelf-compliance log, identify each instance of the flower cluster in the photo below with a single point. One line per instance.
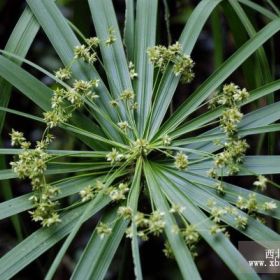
(191, 237)
(114, 156)
(103, 230)
(234, 148)
(168, 252)
(63, 74)
(230, 97)
(216, 215)
(32, 164)
(87, 52)
(87, 193)
(162, 56)
(261, 183)
(124, 126)
(132, 72)
(187, 231)
(231, 156)
(76, 96)
(181, 161)
(251, 205)
(230, 119)
(166, 140)
(125, 212)
(219, 186)
(65, 100)
(90, 191)
(111, 37)
(127, 96)
(148, 224)
(138, 148)
(118, 193)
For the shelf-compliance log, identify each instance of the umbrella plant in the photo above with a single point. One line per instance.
(143, 171)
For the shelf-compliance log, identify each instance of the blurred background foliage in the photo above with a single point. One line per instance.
(223, 34)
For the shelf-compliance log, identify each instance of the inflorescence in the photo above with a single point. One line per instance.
(32, 164)
(234, 148)
(182, 64)
(74, 94)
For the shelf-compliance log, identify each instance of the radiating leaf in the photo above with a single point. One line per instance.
(64, 40)
(188, 39)
(98, 253)
(181, 252)
(220, 244)
(40, 241)
(145, 37)
(129, 32)
(215, 80)
(114, 59)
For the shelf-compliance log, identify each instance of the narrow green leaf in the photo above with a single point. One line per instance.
(18, 43)
(214, 114)
(181, 252)
(261, 117)
(188, 39)
(91, 205)
(251, 165)
(133, 202)
(260, 54)
(214, 81)
(38, 92)
(98, 253)
(232, 192)
(261, 165)
(26, 83)
(219, 243)
(145, 37)
(262, 67)
(200, 196)
(259, 8)
(6, 174)
(64, 40)
(68, 153)
(102, 118)
(274, 7)
(114, 59)
(129, 28)
(25, 115)
(85, 135)
(59, 168)
(217, 33)
(40, 241)
(22, 203)
(258, 118)
(60, 34)
(221, 136)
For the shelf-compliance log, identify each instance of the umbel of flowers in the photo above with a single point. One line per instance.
(74, 95)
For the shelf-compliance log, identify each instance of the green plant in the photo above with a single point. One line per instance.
(134, 152)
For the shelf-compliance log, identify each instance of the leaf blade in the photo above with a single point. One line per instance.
(219, 76)
(181, 252)
(145, 37)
